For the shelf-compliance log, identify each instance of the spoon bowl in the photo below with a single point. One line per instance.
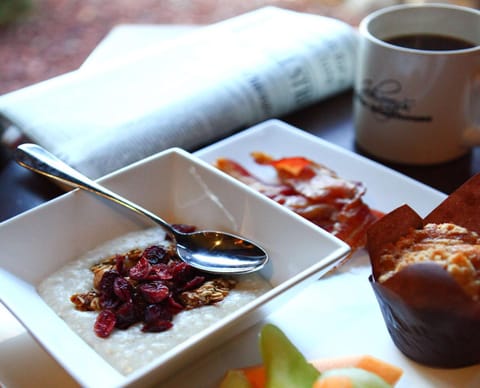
(208, 250)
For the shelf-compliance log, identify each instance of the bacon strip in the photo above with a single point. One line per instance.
(313, 191)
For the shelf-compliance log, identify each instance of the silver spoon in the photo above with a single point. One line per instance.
(210, 251)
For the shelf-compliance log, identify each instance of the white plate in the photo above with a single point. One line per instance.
(183, 189)
(336, 316)
(339, 314)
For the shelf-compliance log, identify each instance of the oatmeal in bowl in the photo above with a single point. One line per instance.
(78, 232)
(135, 306)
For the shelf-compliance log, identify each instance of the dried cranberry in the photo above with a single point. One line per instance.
(120, 264)
(108, 298)
(155, 254)
(157, 326)
(125, 316)
(105, 323)
(106, 282)
(184, 228)
(154, 292)
(196, 282)
(109, 301)
(154, 312)
(140, 270)
(160, 272)
(173, 306)
(182, 273)
(157, 318)
(140, 304)
(122, 289)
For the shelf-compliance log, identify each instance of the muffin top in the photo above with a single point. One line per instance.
(454, 248)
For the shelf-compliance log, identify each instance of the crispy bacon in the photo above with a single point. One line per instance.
(313, 191)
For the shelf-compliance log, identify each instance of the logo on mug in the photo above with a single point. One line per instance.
(384, 100)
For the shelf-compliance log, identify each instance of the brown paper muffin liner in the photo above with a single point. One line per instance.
(428, 315)
(434, 337)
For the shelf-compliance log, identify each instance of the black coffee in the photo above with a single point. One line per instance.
(431, 42)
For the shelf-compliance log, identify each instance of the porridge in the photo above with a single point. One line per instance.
(135, 346)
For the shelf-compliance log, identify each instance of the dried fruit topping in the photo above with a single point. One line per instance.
(140, 270)
(105, 323)
(184, 228)
(126, 315)
(157, 318)
(122, 289)
(154, 292)
(155, 254)
(147, 286)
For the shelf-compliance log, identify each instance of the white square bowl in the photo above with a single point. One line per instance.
(182, 189)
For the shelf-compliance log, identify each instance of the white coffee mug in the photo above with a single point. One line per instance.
(418, 106)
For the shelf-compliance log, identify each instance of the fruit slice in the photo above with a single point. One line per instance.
(285, 366)
(388, 372)
(235, 379)
(350, 378)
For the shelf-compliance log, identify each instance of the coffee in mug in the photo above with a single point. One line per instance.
(417, 85)
(433, 42)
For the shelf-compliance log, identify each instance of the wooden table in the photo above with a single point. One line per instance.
(21, 190)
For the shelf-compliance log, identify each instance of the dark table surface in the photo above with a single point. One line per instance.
(21, 190)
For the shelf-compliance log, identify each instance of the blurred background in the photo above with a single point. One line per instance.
(40, 39)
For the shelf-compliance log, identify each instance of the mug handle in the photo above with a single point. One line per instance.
(471, 136)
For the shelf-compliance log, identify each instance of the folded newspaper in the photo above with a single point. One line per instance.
(187, 92)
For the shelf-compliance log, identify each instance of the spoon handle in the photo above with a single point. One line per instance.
(38, 159)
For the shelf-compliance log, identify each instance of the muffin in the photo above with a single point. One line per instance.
(426, 278)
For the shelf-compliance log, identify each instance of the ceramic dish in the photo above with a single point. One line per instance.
(183, 189)
(338, 315)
